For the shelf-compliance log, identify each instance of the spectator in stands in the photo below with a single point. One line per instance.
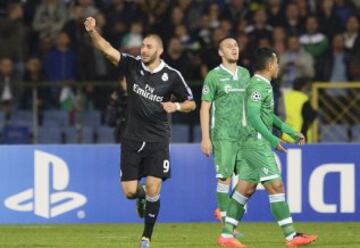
(279, 39)
(176, 57)
(60, 63)
(131, 42)
(13, 34)
(344, 9)
(34, 75)
(328, 20)
(295, 62)
(314, 42)
(278, 34)
(227, 28)
(175, 19)
(88, 8)
(119, 16)
(8, 91)
(351, 35)
(235, 11)
(293, 24)
(275, 13)
(192, 12)
(209, 55)
(151, 12)
(214, 15)
(50, 18)
(304, 9)
(244, 51)
(296, 109)
(335, 65)
(259, 29)
(116, 110)
(203, 33)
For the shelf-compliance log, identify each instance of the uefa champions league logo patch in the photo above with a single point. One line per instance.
(256, 96)
(165, 77)
(205, 89)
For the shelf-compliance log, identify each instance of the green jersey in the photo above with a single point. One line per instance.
(260, 113)
(226, 92)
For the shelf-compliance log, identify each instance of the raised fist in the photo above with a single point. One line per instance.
(90, 24)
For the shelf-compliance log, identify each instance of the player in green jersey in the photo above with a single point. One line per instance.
(223, 117)
(260, 165)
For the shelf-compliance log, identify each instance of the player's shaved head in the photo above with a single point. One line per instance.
(157, 38)
(223, 40)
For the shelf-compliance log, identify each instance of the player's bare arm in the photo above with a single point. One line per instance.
(100, 43)
(206, 145)
(185, 107)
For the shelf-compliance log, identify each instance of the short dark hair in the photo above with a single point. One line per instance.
(155, 37)
(262, 58)
(222, 39)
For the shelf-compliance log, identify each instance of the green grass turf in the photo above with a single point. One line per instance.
(257, 235)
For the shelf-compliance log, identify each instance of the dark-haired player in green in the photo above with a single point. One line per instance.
(223, 118)
(260, 165)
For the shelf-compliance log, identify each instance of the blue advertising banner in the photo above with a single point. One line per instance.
(80, 184)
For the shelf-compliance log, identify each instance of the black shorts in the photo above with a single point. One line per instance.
(141, 159)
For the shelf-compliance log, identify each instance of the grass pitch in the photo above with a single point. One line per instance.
(257, 235)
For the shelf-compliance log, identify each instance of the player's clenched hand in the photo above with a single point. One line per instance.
(301, 139)
(280, 146)
(169, 107)
(90, 24)
(206, 147)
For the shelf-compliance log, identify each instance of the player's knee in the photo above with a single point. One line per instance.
(130, 194)
(249, 192)
(278, 186)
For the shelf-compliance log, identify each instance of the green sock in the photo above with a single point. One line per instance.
(234, 213)
(222, 198)
(280, 211)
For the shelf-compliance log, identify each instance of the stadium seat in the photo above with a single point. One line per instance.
(90, 119)
(334, 133)
(55, 117)
(87, 135)
(72, 135)
(13, 134)
(24, 116)
(197, 134)
(355, 130)
(105, 135)
(179, 133)
(49, 135)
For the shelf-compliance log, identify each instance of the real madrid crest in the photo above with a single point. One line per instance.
(165, 77)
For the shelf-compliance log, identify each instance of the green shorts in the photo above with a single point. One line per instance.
(227, 156)
(259, 164)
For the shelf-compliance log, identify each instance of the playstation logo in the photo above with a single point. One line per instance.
(47, 198)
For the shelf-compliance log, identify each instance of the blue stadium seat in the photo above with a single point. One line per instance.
(90, 119)
(49, 135)
(87, 135)
(55, 117)
(105, 135)
(179, 133)
(355, 130)
(333, 133)
(72, 135)
(22, 115)
(13, 134)
(197, 134)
